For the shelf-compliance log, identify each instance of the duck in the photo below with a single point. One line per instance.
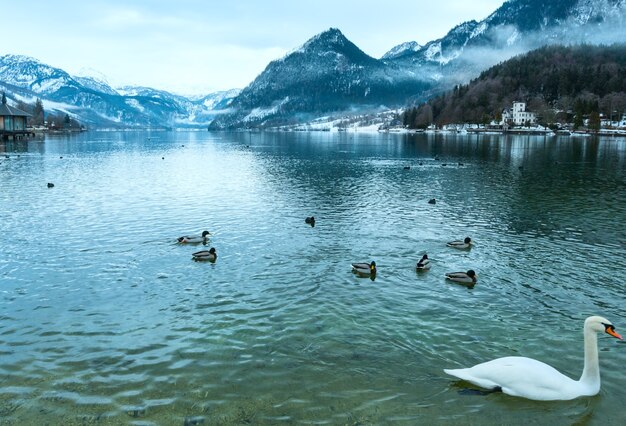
(458, 244)
(209, 255)
(423, 264)
(468, 277)
(310, 220)
(364, 268)
(194, 239)
(531, 379)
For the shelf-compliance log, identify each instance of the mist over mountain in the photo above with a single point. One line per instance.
(516, 27)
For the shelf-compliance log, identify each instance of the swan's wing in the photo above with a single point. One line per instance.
(520, 376)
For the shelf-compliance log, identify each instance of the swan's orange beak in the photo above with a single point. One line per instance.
(611, 331)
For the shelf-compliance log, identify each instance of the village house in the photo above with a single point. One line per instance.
(12, 121)
(518, 116)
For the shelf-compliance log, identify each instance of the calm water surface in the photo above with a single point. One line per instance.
(105, 320)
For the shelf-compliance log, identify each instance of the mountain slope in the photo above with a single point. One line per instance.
(581, 78)
(330, 75)
(516, 27)
(327, 74)
(95, 103)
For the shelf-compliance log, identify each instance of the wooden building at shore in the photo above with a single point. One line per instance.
(13, 122)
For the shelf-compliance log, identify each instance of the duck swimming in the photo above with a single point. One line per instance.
(364, 269)
(209, 255)
(310, 220)
(532, 379)
(468, 277)
(423, 264)
(458, 244)
(194, 239)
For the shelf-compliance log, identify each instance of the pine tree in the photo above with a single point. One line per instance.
(38, 113)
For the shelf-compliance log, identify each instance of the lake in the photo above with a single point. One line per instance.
(105, 319)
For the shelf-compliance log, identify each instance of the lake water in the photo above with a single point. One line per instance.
(106, 320)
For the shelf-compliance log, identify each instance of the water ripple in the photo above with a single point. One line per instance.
(105, 318)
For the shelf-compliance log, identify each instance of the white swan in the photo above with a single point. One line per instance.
(532, 379)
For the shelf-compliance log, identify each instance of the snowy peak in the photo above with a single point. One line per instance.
(29, 73)
(534, 15)
(521, 25)
(329, 43)
(331, 39)
(142, 91)
(94, 102)
(402, 49)
(219, 100)
(94, 80)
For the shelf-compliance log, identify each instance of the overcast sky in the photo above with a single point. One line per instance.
(201, 46)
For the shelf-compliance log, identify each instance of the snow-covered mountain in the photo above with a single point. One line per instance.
(402, 49)
(29, 73)
(94, 102)
(94, 80)
(518, 26)
(326, 74)
(330, 75)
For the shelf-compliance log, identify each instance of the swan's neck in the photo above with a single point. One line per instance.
(591, 372)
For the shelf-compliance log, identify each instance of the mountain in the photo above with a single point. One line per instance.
(329, 75)
(93, 102)
(402, 49)
(94, 80)
(325, 75)
(516, 27)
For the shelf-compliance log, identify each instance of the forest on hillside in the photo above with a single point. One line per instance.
(51, 120)
(559, 83)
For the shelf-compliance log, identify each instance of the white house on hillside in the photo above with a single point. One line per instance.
(518, 115)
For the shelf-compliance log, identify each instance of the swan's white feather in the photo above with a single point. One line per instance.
(532, 379)
(521, 376)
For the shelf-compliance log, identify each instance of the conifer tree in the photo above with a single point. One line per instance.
(38, 112)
